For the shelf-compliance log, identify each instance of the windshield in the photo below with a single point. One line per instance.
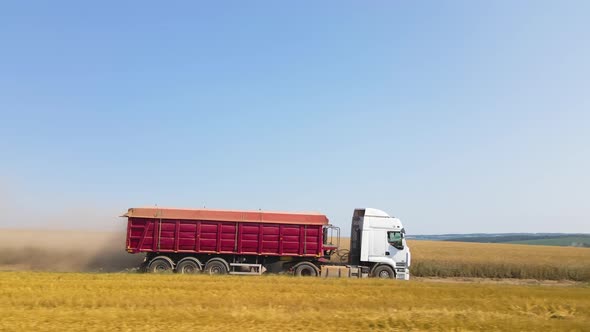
(395, 239)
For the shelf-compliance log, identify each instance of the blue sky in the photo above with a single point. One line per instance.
(456, 117)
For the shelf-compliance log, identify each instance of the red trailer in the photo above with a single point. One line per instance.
(224, 241)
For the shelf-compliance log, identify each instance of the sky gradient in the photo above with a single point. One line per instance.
(456, 117)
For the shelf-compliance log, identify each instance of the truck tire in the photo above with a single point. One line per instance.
(305, 269)
(384, 272)
(160, 265)
(216, 266)
(188, 266)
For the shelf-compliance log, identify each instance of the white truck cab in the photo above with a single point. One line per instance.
(378, 240)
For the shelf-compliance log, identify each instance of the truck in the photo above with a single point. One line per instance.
(255, 242)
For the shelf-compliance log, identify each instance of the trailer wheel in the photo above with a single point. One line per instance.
(216, 266)
(188, 266)
(384, 272)
(305, 269)
(160, 265)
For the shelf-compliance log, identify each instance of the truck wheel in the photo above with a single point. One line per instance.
(216, 266)
(384, 272)
(159, 265)
(305, 269)
(188, 266)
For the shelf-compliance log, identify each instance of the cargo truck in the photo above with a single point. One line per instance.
(254, 242)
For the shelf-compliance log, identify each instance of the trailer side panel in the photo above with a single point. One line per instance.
(223, 237)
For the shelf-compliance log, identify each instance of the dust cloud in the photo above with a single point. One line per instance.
(65, 251)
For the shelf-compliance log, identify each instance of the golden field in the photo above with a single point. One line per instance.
(44, 301)
(498, 260)
(145, 302)
(495, 260)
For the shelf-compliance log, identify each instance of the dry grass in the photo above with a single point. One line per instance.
(140, 302)
(491, 260)
(495, 260)
(143, 302)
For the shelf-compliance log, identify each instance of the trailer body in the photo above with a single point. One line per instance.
(201, 231)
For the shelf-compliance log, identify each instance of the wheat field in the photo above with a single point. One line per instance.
(144, 302)
(499, 260)
(50, 301)
(494, 260)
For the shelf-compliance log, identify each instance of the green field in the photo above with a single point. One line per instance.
(564, 240)
(145, 302)
(558, 241)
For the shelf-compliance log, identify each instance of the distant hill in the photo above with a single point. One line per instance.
(548, 239)
(566, 241)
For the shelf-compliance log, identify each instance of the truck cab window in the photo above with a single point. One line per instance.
(395, 239)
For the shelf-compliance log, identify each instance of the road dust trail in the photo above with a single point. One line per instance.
(67, 251)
